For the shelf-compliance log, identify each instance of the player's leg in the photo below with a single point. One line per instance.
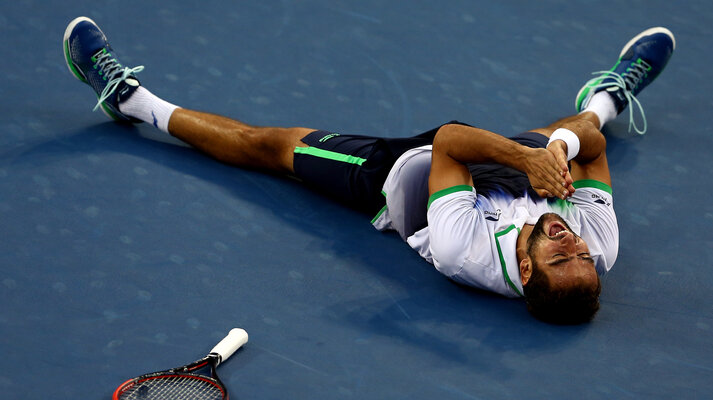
(237, 143)
(92, 60)
(350, 168)
(601, 99)
(581, 119)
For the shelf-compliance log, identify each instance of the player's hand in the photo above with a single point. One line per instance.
(548, 175)
(559, 149)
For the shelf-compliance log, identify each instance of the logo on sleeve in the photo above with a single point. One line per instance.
(492, 216)
(600, 200)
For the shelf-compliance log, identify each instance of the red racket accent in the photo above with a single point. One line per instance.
(173, 387)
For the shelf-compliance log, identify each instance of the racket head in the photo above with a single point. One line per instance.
(176, 384)
(185, 382)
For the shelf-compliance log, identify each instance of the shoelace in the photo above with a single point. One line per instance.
(632, 77)
(111, 70)
(636, 72)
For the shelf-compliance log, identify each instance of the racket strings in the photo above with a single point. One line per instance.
(174, 387)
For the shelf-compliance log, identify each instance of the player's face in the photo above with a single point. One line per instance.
(562, 254)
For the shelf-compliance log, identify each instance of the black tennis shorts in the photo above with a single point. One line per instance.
(352, 168)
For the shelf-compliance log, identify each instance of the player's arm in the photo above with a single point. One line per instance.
(456, 145)
(591, 161)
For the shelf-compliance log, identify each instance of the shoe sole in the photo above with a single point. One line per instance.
(65, 46)
(659, 29)
(648, 32)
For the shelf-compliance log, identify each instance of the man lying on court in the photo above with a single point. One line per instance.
(529, 216)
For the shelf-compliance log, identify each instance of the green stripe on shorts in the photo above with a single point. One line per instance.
(330, 155)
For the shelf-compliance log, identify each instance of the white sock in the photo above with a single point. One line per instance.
(147, 107)
(603, 105)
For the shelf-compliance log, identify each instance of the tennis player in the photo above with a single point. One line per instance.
(529, 216)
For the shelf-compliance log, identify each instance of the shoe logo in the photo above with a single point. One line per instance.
(155, 121)
(492, 216)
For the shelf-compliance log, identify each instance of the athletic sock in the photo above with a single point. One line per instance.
(603, 105)
(147, 107)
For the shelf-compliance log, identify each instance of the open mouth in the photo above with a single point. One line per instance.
(556, 230)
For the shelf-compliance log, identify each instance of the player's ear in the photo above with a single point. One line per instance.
(525, 270)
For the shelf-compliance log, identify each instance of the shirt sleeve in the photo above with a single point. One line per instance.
(452, 221)
(599, 227)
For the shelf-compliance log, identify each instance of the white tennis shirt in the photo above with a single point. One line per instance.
(471, 238)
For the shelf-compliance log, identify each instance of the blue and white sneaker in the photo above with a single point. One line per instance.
(92, 60)
(640, 62)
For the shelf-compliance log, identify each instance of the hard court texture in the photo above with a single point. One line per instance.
(125, 252)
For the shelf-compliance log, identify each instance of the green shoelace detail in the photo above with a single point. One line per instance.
(627, 83)
(113, 71)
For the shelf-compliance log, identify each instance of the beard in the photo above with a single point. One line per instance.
(538, 231)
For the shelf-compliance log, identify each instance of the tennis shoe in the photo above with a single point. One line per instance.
(640, 62)
(92, 60)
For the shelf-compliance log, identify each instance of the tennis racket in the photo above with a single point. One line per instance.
(186, 382)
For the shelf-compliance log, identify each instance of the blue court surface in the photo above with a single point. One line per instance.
(125, 252)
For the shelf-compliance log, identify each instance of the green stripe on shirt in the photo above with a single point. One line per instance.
(502, 257)
(383, 209)
(445, 192)
(591, 183)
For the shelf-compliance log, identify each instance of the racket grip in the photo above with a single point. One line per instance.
(235, 339)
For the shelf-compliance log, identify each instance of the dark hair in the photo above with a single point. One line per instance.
(573, 305)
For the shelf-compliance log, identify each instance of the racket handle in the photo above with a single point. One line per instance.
(235, 339)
